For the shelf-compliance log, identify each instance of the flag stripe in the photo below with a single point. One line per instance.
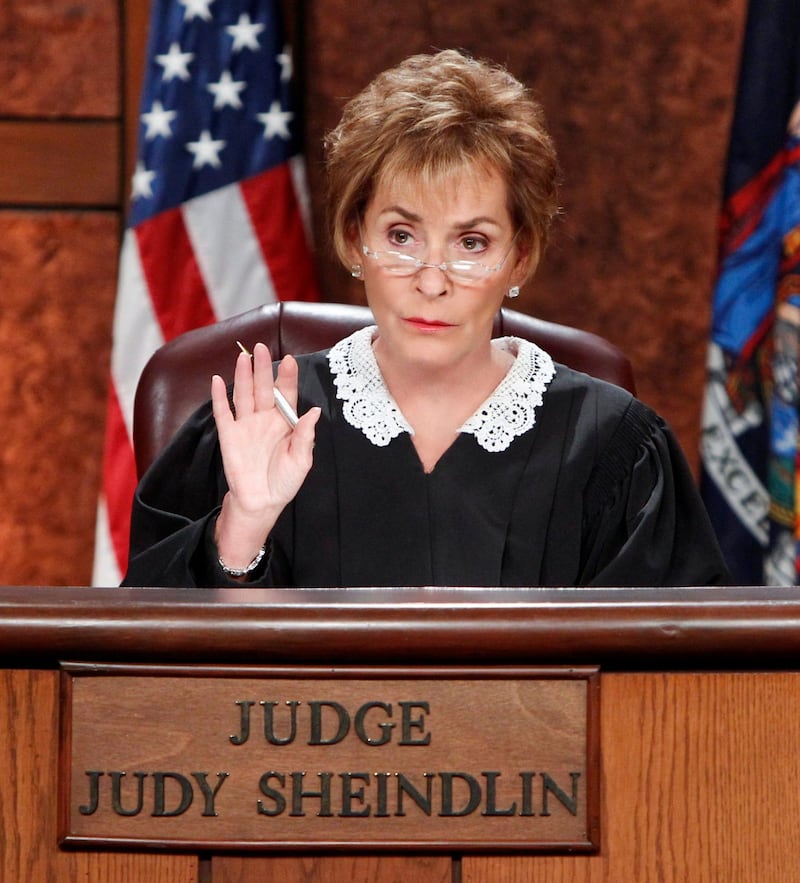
(137, 334)
(274, 208)
(119, 479)
(173, 276)
(105, 568)
(219, 227)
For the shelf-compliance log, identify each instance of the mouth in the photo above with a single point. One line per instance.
(427, 324)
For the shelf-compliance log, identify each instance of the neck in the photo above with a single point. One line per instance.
(452, 392)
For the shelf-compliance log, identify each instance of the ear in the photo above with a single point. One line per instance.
(353, 241)
(528, 254)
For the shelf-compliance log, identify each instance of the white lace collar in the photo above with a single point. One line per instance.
(509, 411)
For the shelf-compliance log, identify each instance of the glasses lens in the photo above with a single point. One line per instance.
(467, 270)
(398, 264)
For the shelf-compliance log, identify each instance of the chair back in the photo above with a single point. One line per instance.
(177, 378)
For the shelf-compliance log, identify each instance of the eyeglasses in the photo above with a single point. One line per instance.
(399, 264)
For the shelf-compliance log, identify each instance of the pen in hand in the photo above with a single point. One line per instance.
(287, 411)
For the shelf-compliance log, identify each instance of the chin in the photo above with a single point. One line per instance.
(434, 354)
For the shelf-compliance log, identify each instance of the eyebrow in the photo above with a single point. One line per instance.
(460, 225)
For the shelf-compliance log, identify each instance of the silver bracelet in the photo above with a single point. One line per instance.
(237, 571)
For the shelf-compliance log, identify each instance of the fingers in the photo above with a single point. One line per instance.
(306, 426)
(286, 380)
(302, 438)
(254, 385)
(219, 402)
(243, 386)
(252, 381)
(262, 378)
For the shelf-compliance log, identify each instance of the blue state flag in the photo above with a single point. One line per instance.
(750, 417)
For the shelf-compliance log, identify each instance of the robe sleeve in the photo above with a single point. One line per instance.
(645, 523)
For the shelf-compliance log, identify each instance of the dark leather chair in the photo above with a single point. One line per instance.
(177, 379)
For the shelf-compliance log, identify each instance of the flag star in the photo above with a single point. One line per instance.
(196, 9)
(226, 91)
(158, 121)
(141, 182)
(284, 59)
(276, 121)
(205, 150)
(175, 63)
(245, 33)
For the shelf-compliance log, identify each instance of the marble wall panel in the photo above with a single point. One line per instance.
(59, 58)
(57, 278)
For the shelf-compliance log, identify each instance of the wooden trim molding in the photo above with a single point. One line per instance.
(720, 628)
(59, 163)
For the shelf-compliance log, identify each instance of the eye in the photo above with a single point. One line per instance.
(400, 238)
(474, 244)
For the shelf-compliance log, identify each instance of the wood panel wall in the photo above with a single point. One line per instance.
(60, 195)
(639, 97)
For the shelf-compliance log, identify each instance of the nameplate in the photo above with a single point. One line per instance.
(246, 758)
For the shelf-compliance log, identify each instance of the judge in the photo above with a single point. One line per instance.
(427, 453)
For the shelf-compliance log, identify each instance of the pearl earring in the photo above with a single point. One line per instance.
(513, 291)
(356, 271)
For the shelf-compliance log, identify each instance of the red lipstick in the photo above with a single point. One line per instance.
(427, 324)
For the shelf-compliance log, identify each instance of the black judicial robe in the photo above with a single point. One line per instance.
(597, 493)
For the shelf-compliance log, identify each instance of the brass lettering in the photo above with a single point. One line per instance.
(244, 726)
(159, 794)
(549, 787)
(324, 794)
(382, 779)
(94, 793)
(527, 794)
(491, 797)
(473, 800)
(418, 723)
(342, 717)
(276, 796)
(209, 794)
(404, 786)
(348, 795)
(116, 794)
(269, 725)
(385, 727)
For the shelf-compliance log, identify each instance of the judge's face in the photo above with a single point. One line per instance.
(432, 310)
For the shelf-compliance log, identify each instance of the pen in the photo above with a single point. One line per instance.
(287, 412)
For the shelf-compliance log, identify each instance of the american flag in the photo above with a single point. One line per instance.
(218, 220)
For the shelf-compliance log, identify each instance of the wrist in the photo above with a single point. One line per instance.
(243, 571)
(241, 538)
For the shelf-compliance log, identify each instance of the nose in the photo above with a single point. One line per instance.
(432, 280)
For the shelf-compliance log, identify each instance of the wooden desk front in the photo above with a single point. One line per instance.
(700, 717)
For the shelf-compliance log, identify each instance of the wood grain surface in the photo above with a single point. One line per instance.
(699, 773)
(28, 771)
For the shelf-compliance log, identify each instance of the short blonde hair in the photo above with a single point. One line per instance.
(430, 116)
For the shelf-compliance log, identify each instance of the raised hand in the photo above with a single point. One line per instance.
(264, 458)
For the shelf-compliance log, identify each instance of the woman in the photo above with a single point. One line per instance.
(427, 454)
